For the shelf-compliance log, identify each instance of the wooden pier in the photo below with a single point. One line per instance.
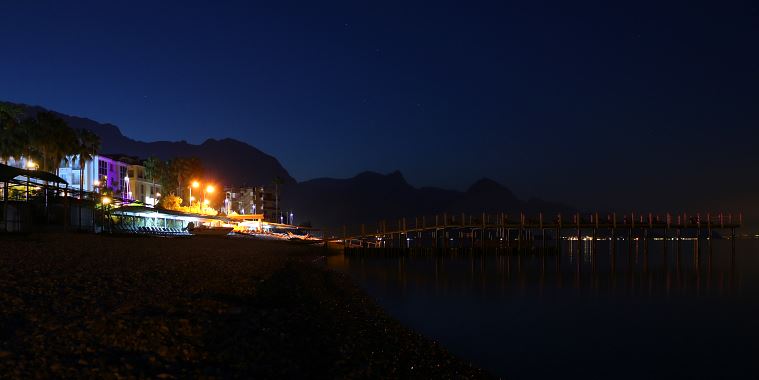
(501, 230)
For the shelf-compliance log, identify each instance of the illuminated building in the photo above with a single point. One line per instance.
(250, 200)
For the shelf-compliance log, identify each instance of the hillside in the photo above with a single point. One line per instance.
(369, 197)
(227, 160)
(325, 202)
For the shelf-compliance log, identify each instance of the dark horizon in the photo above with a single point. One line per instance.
(596, 105)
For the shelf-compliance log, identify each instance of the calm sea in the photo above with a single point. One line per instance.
(677, 312)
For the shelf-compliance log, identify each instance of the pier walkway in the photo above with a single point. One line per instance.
(502, 231)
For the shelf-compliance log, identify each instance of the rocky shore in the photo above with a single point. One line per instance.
(86, 306)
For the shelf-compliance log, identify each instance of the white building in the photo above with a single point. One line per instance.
(123, 175)
(108, 171)
(140, 187)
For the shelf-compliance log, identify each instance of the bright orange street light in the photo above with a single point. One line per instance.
(209, 189)
(194, 184)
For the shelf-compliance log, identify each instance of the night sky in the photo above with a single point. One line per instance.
(641, 104)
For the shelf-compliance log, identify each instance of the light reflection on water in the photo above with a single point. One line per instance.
(689, 310)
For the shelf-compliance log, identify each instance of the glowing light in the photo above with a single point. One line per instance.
(210, 189)
(105, 200)
(195, 184)
(96, 182)
(206, 202)
(31, 164)
(192, 199)
(158, 195)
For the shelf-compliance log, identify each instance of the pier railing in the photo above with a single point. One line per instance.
(503, 228)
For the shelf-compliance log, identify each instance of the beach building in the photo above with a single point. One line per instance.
(124, 175)
(105, 171)
(141, 188)
(250, 200)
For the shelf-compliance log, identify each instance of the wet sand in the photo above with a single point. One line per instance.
(78, 306)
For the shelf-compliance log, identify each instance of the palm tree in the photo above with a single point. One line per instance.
(26, 134)
(88, 144)
(42, 137)
(65, 144)
(153, 170)
(179, 169)
(11, 143)
(49, 138)
(184, 169)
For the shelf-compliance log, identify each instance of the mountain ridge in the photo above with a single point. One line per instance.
(221, 158)
(365, 198)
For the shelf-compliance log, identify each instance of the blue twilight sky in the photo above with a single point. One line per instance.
(585, 102)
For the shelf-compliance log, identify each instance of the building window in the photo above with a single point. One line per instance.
(102, 168)
(142, 188)
(122, 171)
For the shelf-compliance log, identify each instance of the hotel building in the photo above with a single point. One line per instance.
(250, 200)
(109, 171)
(124, 175)
(140, 187)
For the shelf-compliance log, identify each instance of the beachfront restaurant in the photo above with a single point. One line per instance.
(248, 223)
(30, 197)
(139, 219)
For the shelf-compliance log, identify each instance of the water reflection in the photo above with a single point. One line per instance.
(666, 307)
(683, 269)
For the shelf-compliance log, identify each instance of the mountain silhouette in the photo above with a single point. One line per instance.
(221, 158)
(370, 197)
(324, 202)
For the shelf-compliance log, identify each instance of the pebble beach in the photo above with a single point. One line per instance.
(91, 306)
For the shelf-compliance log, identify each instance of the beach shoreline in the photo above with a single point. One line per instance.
(81, 305)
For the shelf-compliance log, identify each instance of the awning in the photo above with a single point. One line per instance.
(7, 173)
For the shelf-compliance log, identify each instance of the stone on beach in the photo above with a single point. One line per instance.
(76, 305)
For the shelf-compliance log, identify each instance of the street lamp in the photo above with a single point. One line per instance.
(209, 189)
(126, 187)
(194, 184)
